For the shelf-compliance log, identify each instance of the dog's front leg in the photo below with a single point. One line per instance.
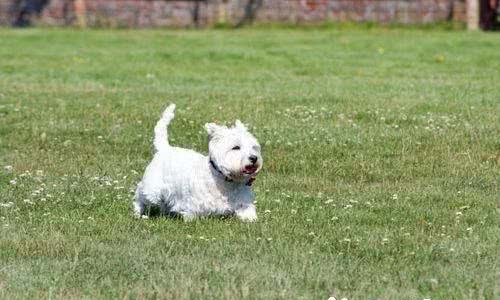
(247, 213)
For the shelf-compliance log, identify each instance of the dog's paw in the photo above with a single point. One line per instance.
(187, 217)
(247, 215)
(248, 219)
(139, 216)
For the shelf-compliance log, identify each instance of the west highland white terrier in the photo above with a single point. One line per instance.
(183, 182)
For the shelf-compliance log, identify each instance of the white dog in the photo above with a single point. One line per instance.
(183, 182)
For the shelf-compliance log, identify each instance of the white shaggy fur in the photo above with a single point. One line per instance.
(183, 182)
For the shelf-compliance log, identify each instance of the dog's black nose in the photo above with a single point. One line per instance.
(253, 159)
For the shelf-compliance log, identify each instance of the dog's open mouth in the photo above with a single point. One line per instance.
(250, 169)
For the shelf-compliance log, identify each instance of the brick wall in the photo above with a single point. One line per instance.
(159, 13)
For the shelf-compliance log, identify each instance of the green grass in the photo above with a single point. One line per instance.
(380, 181)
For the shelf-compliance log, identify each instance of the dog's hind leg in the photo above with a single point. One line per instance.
(142, 202)
(139, 205)
(139, 209)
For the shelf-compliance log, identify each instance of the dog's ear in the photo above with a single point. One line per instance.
(240, 125)
(212, 129)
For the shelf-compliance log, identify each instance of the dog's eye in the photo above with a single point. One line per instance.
(236, 148)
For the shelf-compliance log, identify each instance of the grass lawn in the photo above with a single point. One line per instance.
(381, 163)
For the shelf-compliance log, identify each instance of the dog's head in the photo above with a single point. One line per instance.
(234, 151)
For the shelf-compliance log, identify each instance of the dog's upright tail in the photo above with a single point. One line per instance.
(161, 133)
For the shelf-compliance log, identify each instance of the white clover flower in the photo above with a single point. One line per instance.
(395, 197)
(13, 182)
(7, 168)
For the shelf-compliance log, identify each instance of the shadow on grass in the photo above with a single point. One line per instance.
(153, 212)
